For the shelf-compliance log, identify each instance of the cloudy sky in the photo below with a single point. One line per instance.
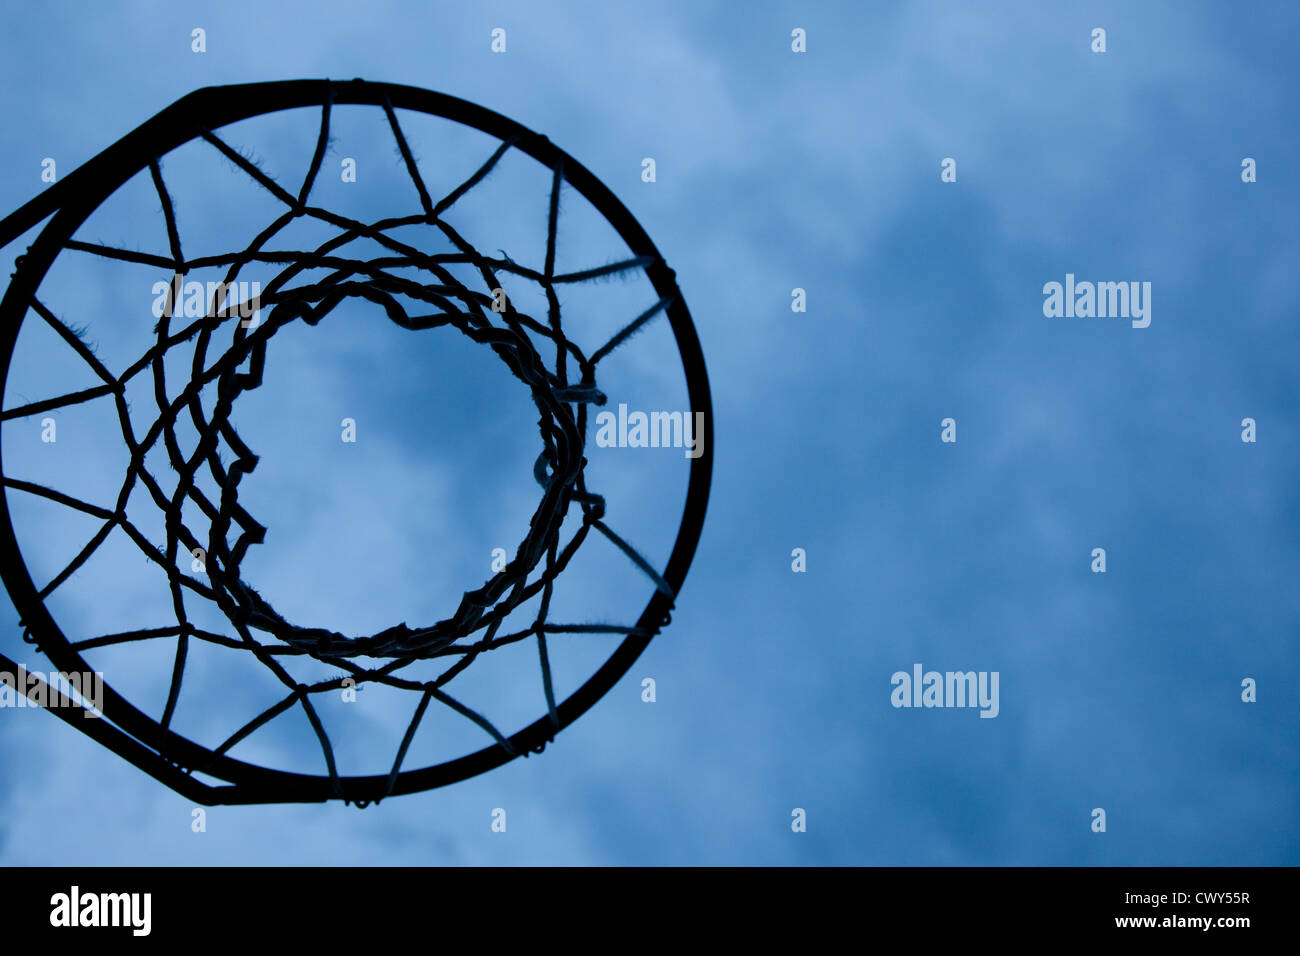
(775, 170)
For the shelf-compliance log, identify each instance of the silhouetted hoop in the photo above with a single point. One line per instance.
(146, 742)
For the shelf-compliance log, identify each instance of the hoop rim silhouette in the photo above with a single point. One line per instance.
(68, 203)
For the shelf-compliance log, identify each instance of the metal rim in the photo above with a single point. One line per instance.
(79, 194)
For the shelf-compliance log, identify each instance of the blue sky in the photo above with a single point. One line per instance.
(775, 170)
